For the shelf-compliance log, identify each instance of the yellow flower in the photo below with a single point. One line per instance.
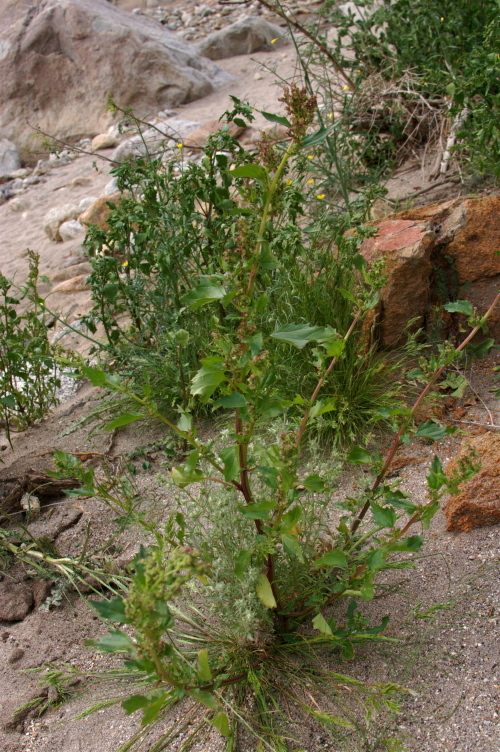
(289, 182)
(274, 40)
(179, 146)
(125, 263)
(310, 156)
(346, 88)
(330, 115)
(321, 195)
(310, 181)
(442, 19)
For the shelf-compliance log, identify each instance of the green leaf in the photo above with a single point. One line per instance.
(300, 334)
(231, 401)
(8, 400)
(113, 610)
(460, 306)
(321, 624)
(204, 671)
(258, 511)
(208, 378)
(290, 519)
(413, 543)
(270, 476)
(110, 292)
(115, 641)
(206, 698)
(360, 456)
(431, 430)
(292, 546)
(153, 709)
(272, 118)
(241, 563)
(249, 171)
(335, 558)
(367, 591)
(183, 476)
(265, 593)
(376, 559)
(347, 650)
(133, 703)
(123, 420)
(221, 723)
(204, 293)
(314, 483)
(315, 138)
(240, 122)
(383, 516)
(231, 462)
(95, 376)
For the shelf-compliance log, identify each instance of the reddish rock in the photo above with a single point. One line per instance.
(199, 137)
(16, 600)
(461, 237)
(478, 503)
(98, 212)
(75, 284)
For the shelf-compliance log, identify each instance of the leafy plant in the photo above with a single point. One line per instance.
(28, 362)
(242, 589)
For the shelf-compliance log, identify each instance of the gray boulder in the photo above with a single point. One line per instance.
(60, 59)
(9, 157)
(241, 38)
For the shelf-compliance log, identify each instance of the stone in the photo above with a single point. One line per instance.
(71, 271)
(478, 503)
(41, 590)
(199, 137)
(155, 139)
(62, 517)
(74, 284)
(71, 229)
(457, 239)
(9, 157)
(55, 218)
(103, 141)
(272, 132)
(61, 59)
(88, 201)
(19, 204)
(98, 212)
(109, 188)
(248, 35)
(16, 600)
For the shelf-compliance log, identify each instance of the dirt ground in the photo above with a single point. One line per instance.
(445, 613)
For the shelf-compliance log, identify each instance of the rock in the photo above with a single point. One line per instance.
(103, 141)
(9, 157)
(62, 58)
(110, 188)
(71, 229)
(272, 132)
(455, 241)
(16, 600)
(19, 204)
(72, 271)
(478, 503)
(23, 172)
(199, 137)
(88, 201)
(155, 139)
(41, 590)
(74, 284)
(98, 212)
(243, 37)
(55, 218)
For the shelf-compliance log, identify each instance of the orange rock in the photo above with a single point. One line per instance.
(478, 503)
(199, 137)
(75, 284)
(98, 212)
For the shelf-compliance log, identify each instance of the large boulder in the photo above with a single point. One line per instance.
(478, 503)
(433, 255)
(241, 38)
(9, 156)
(61, 59)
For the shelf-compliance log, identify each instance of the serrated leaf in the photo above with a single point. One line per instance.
(206, 698)
(431, 430)
(335, 558)
(292, 546)
(300, 334)
(96, 376)
(460, 306)
(314, 483)
(360, 456)
(204, 293)
(153, 709)
(115, 641)
(8, 400)
(321, 624)
(383, 516)
(413, 543)
(367, 591)
(259, 511)
(272, 118)
(231, 401)
(265, 593)
(208, 378)
(133, 703)
(204, 671)
(231, 462)
(376, 559)
(124, 420)
(290, 519)
(113, 610)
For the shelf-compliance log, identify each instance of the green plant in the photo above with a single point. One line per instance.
(240, 593)
(28, 362)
